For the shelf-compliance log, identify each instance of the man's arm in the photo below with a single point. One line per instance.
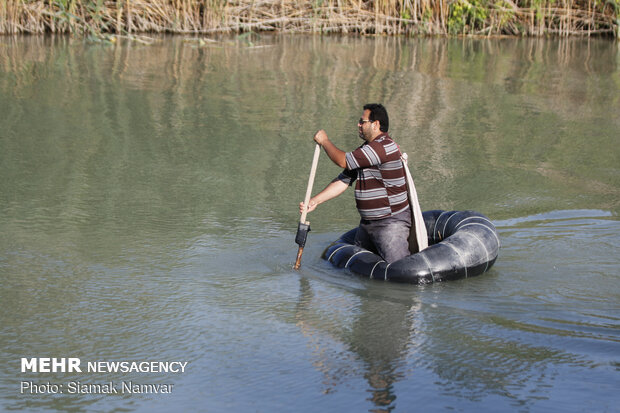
(335, 154)
(335, 188)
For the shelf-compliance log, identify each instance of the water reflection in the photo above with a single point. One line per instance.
(477, 115)
(378, 332)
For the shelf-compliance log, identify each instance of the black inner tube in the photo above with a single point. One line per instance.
(461, 244)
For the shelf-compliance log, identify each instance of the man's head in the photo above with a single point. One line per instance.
(374, 121)
(378, 112)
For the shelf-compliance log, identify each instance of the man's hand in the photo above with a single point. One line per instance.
(321, 137)
(311, 206)
(336, 155)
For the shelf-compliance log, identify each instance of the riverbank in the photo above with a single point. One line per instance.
(386, 17)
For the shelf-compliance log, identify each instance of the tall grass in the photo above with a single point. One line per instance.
(410, 17)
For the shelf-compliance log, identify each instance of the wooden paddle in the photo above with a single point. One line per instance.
(304, 227)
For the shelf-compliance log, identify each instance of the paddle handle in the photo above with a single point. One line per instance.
(315, 162)
(302, 231)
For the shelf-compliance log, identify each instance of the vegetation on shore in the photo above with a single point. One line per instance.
(102, 18)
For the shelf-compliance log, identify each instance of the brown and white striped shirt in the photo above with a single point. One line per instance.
(381, 188)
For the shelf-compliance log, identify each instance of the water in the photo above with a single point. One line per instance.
(148, 207)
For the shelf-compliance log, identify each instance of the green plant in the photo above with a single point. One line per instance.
(467, 16)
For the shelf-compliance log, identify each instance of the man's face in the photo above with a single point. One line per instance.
(365, 126)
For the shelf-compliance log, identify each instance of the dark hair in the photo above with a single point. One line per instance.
(378, 112)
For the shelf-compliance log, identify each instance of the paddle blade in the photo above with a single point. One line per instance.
(300, 239)
(302, 234)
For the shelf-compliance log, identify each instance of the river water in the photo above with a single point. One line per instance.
(148, 209)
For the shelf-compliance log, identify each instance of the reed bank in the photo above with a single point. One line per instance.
(104, 19)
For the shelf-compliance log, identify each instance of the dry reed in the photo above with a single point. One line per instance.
(411, 17)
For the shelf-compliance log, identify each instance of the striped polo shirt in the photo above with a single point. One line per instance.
(381, 188)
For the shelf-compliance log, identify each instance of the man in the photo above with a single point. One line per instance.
(380, 189)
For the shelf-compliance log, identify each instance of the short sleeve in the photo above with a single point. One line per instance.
(367, 155)
(347, 176)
